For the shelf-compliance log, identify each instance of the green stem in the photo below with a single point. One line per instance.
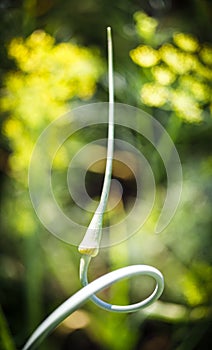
(91, 241)
(89, 247)
(84, 294)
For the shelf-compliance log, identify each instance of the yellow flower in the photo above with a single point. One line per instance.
(12, 128)
(199, 90)
(154, 95)
(145, 25)
(181, 70)
(186, 107)
(48, 76)
(179, 62)
(39, 39)
(163, 75)
(186, 42)
(204, 71)
(206, 54)
(145, 56)
(33, 53)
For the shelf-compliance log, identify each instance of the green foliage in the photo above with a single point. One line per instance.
(6, 342)
(197, 285)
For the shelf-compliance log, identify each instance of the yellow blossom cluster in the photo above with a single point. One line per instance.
(145, 25)
(144, 56)
(179, 72)
(48, 76)
(186, 42)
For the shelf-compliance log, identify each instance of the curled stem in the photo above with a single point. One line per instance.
(90, 244)
(89, 247)
(79, 298)
(144, 270)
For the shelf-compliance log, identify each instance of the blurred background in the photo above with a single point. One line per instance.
(53, 59)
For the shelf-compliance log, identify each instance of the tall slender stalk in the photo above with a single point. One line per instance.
(91, 241)
(89, 247)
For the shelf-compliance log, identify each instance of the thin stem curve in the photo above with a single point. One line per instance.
(89, 247)
(84, 294)
(151, 271)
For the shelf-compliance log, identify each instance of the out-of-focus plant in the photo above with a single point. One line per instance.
(6, 342)
(48, 76)
(176, 70)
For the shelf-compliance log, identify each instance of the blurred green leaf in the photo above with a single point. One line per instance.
(6, 340)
